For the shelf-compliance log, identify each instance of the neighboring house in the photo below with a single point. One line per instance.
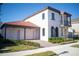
(75, 27)
(46, 23)
(1, 30)
(0, 26)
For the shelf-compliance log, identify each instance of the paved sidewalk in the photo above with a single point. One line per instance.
(61, 50)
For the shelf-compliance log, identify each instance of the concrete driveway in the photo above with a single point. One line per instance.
(44, 43)
(61, 50)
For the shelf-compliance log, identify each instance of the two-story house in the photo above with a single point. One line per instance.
(46, 23)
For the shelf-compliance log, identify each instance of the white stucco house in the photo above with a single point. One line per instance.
(46, 23)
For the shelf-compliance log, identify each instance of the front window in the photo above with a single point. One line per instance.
(43, 16)
(53, 16)
(67, 20)
(61, 19)
(43, 31)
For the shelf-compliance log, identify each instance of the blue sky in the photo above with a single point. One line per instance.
(19, 11)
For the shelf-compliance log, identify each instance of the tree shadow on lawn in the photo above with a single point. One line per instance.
(4, 44)
(3, 47)
(16, 45)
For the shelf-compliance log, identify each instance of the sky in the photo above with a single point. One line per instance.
(19, 11)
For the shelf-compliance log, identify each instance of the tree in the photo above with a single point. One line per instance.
(0, 10)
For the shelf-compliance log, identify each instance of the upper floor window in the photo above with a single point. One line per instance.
(61, 19)
(43, 31)
(43, 16)
(65, 20)
(53, 16)
(69, 20)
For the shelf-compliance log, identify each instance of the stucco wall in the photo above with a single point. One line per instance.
(55, 23)
(42, 23)
(47, 23)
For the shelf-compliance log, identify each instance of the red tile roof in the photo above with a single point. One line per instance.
(21, 23)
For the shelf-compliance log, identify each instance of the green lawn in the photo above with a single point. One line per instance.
(47, 53)
(76, 45)
(16, 45)
(17, 48)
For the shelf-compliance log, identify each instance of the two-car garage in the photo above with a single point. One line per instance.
(23, 30)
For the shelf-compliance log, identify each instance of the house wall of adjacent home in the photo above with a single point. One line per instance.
(17, 33)
(3, 32)
(55, 23)
(42, 23)
(75, 26)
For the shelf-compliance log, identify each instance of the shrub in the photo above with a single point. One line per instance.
(24, 42)
(75, 38)
(58, 39)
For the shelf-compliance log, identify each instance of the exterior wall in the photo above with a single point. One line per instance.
(70, 32)
(3, 32)
(18, 33)
(42, 23)
(55, 23)
(34, 33)
(47, 23)
(75, 26)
